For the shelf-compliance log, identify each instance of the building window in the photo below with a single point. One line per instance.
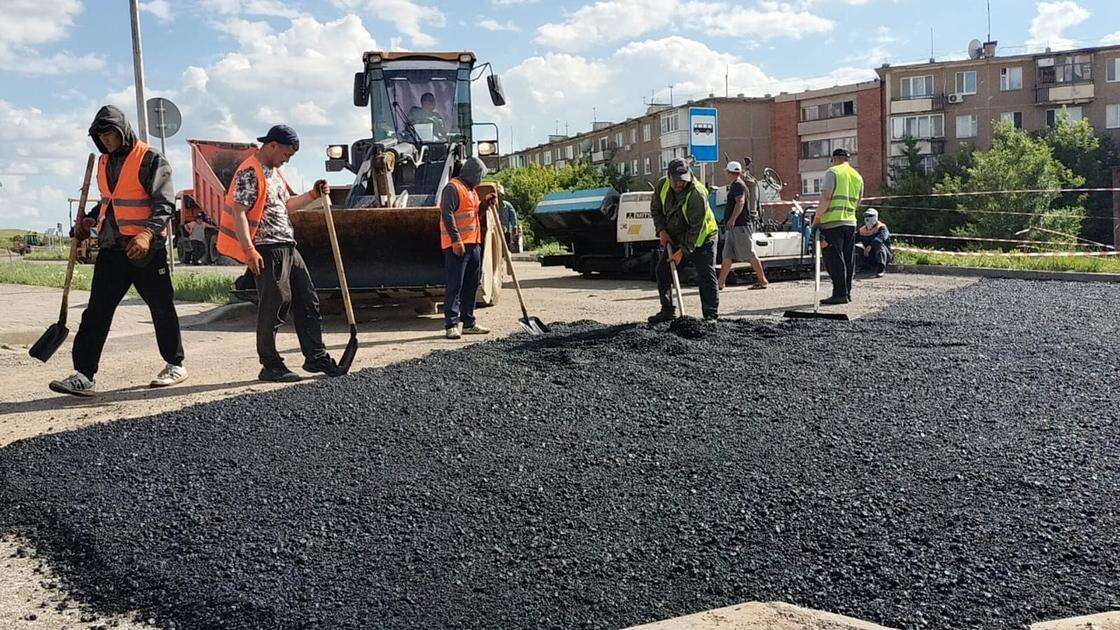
(569, 151)
(811, 183)
(604, 143)
(824, 148)
(618, 140)
(634, 135)
(669, 123)
(1112, 117)
(828, 110)
(928, 163)
(1054, 115)
(547, 158)
(671, 154)
(919, 127)
(967, 126)
(646, 133)
(966, 82)
(1112, 70)
(1015, 118)
(1010, 79)
(622, 168)
(917, 87)
(648, 161)
(634, 166)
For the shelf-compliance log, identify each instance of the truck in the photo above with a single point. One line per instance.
(213, 165)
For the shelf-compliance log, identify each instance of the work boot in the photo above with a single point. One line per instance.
(453, 332)
(77, 384)
(475, 330)
(280, 374)
(322, 365)
(711, 317)
(171, 375)
(834, 300)
(662, 317)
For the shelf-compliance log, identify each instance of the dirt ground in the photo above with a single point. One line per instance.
(221, 360)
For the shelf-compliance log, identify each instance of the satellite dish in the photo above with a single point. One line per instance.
(975, 49)
(164, 119)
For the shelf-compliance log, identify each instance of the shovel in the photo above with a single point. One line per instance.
(676, 281)
(52, 339)
(347, 358)
(816, 312)
(532, 325)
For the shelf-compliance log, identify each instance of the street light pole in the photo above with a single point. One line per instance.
(138, 68)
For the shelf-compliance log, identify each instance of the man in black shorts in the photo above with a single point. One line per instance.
(738, 226)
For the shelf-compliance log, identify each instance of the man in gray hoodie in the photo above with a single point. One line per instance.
(460, 227)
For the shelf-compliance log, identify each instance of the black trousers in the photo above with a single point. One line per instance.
(704, 262)
(839, 258)
(875, 257)
(113, 275)
(463, 275)
(284, 287)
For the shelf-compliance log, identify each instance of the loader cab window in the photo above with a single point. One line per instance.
(420, 102)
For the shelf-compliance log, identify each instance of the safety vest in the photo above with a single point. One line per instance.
(228, 244)
(845, 197)
(710, 225)
(466, 217)
(132, 205)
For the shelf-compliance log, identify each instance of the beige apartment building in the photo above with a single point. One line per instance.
(641, 147)
(945, 105)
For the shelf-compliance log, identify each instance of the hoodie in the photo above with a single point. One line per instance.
(471, 174)
(155, 177)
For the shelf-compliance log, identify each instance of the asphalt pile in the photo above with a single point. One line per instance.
(950, 463)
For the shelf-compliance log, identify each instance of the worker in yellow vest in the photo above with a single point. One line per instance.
(841, 192)
(137, 201)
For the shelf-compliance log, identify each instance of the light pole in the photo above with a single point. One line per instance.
(138, 69)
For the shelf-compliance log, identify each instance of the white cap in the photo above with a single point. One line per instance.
(734, 167)
(872, 212)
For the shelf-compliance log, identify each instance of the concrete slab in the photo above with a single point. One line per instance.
(762, 616)
(1103, 621)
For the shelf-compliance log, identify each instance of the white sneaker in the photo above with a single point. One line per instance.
(76, 385)
(170, 375)
(454, 332)
(476, 330)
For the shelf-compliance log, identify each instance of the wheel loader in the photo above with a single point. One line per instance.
(421, 131)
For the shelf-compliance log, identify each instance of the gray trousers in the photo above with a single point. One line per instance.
(284, 287)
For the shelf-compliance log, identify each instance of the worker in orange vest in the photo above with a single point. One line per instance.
(460, 235)
(137, 201)
(256, 231)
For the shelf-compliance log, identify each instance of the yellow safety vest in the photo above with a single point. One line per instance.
(845, 197)
(710, 225)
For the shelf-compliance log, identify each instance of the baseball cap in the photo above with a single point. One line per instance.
(734, 167)
(282, 134)
(678, 170)
(841, 153)
(872, 212)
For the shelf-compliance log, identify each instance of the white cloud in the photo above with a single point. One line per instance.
(609, 21)
(1111, 40)
(1050, 23)
(194, 78)
(494, 25)
(274, 8)
(308, 113)
(27, 25)
(159, 8)
(407, 16)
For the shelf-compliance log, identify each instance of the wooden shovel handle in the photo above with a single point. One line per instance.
(73, 260)
(509, 260)
(342, 284)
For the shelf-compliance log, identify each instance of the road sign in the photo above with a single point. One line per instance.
(703, 134)
(164, 119)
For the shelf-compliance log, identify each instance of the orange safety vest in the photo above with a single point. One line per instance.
(132, 205)
(466, 217)
(228, 244)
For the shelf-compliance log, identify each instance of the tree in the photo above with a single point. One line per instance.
(1078, 149)
(526, 186)
(915, 211)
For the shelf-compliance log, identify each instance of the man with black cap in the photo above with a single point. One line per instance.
(685, 221)
(137, 201)
(841, 192)
(258, 233)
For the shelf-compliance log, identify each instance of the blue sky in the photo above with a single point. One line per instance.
(237, 66)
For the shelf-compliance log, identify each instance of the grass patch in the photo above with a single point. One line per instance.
(49, 253)
(6, 235)
(1087, 264)
(190, 286)
(550, 249)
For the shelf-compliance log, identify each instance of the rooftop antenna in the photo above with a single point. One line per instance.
(594, 116)
(670, 86)
(726, 74)
(931, 58)
(989, 20)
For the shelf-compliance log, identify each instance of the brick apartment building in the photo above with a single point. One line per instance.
(807, 126)
(641, 147)
(947, 104)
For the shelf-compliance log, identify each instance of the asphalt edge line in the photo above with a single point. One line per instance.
(1006, 274)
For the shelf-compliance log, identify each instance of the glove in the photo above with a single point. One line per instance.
(320, 188)
(664, 237)
(458, 248)
(82, 226)
(255, 262)
(490, 200)
(139, 245)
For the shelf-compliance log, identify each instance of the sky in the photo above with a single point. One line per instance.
(236, 67)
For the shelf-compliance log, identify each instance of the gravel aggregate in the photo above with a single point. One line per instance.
(952, 462)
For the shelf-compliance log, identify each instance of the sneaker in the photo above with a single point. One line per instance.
(76, 385)
(171, 375)
(836, 299)
(711, 317)
(278, 375)
(476, 330)
(322, 365)
(880, 274)
(662, 317)
(453, 332)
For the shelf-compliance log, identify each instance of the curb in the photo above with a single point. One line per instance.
(1006, 274)
(525, 257)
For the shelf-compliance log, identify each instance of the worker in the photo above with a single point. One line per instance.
(511, 229)
(198, 240)
(873, 244)
(427, 114)
(685, 222)
(841, 192)
(460, 235)
(185, 242)
(257, 232)
(137, 202)
(738, 227)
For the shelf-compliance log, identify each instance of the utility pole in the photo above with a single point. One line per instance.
(670, 86)
(138, 68)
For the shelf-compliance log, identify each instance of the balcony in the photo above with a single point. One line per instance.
(910, 105)
(926, 146)
(599, 157)
(824, 125)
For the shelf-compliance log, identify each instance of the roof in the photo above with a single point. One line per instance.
(395, 56)
(886, 68)
(573, 201)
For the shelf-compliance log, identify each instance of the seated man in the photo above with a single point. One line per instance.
(873, 244)
(426, 114)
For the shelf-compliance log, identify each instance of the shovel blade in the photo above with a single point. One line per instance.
(51, 340)
(843, 317)
(534, 326)
(347, 358)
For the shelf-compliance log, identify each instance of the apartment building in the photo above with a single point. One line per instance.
(641, 147)
(807, 126)
(946, 105)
